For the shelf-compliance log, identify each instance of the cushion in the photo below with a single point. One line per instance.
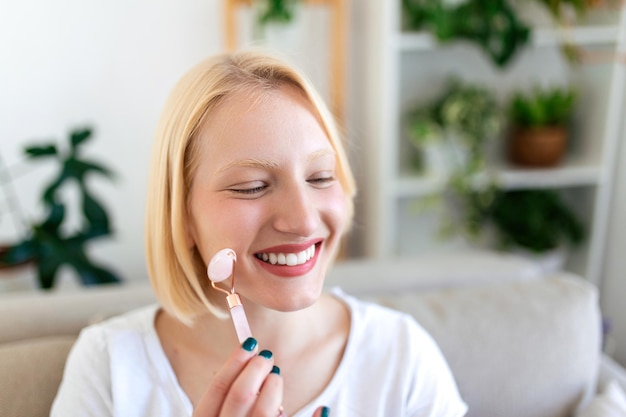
(31, 371)
(610, 402)
(529, 348)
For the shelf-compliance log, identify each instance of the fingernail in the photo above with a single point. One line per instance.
(275, 370)
(266, 354)
(325, 411)
(249, 344)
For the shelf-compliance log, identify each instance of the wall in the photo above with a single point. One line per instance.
(110, 64)
(614, 282)
(106, 63)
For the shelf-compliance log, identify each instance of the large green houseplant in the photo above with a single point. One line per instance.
(48, 243)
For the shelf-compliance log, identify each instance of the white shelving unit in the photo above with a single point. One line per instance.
(408, 68)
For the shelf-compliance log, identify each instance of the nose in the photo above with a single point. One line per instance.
(296, 211)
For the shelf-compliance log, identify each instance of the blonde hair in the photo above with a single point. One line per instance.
(177, 272)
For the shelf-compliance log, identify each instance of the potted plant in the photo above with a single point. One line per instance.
(536, 221)
(276, 11)
(462, 120)
(48, 243)
(539, 125)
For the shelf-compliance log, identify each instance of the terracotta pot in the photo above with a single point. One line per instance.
(542, 146)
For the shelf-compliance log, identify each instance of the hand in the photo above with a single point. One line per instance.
(247, 385)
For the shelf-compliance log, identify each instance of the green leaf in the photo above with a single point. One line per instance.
(23, 252)
(96, 216)
(41, 151)
(52, 223)
(47, 267)
(91, 274)
(79, 136)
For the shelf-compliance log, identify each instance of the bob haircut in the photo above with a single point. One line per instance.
(177, 272)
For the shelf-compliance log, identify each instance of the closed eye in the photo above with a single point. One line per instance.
(248, 190)
(251, 188)
(322, 181)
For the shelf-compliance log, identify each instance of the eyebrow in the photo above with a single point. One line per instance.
(265, 164)
(248, 163)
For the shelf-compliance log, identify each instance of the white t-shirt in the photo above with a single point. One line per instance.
(391, 368)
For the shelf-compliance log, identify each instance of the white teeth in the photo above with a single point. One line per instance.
(301, 258)
(289, 259)
(292, 259)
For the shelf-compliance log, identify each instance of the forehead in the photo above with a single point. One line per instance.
(259, 122)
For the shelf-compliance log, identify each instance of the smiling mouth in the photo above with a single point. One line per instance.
(288, 259)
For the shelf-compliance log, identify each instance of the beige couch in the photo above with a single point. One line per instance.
(519, 343)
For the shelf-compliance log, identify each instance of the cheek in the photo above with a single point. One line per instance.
(224, 224)
(336, 207)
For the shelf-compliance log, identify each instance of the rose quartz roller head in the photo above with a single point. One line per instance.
(221, 267)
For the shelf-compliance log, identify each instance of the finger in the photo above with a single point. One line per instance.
(211, 402)
(322, 412)
(270, 396)
(244, 392)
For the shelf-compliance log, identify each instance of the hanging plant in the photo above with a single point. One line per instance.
(465, 117)
(491, 24)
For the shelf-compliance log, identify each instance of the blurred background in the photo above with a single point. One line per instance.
(428, 101)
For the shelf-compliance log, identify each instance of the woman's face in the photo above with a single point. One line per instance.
(266, 187)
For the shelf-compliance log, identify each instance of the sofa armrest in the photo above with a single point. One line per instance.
(40, 314)
(31, 373)
(610, 370)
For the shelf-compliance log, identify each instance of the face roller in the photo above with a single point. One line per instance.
(221, 267)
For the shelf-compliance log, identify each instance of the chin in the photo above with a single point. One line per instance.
(296, 300)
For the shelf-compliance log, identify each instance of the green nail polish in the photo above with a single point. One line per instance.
(266, 354)
(249, 344)
(325, 411)
(275, 370)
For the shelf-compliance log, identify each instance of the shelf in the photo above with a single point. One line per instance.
(541, 37)
(405, 69)
(567, 176)
(584, 36)
(570, 175)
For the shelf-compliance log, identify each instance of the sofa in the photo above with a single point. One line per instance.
(520, 342)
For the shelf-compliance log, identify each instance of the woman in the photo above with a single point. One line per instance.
(247, 157)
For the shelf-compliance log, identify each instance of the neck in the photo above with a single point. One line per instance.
(281, 332)
(287, 331)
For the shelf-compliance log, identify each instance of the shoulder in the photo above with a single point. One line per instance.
(98, 338)
(392, 348)
(368, 314)
(387, 333)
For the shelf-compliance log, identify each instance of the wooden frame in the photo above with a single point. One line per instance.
(337, 45)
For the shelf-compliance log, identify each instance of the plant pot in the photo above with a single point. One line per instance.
(548, 262)
(17, 277)
(541, 146)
